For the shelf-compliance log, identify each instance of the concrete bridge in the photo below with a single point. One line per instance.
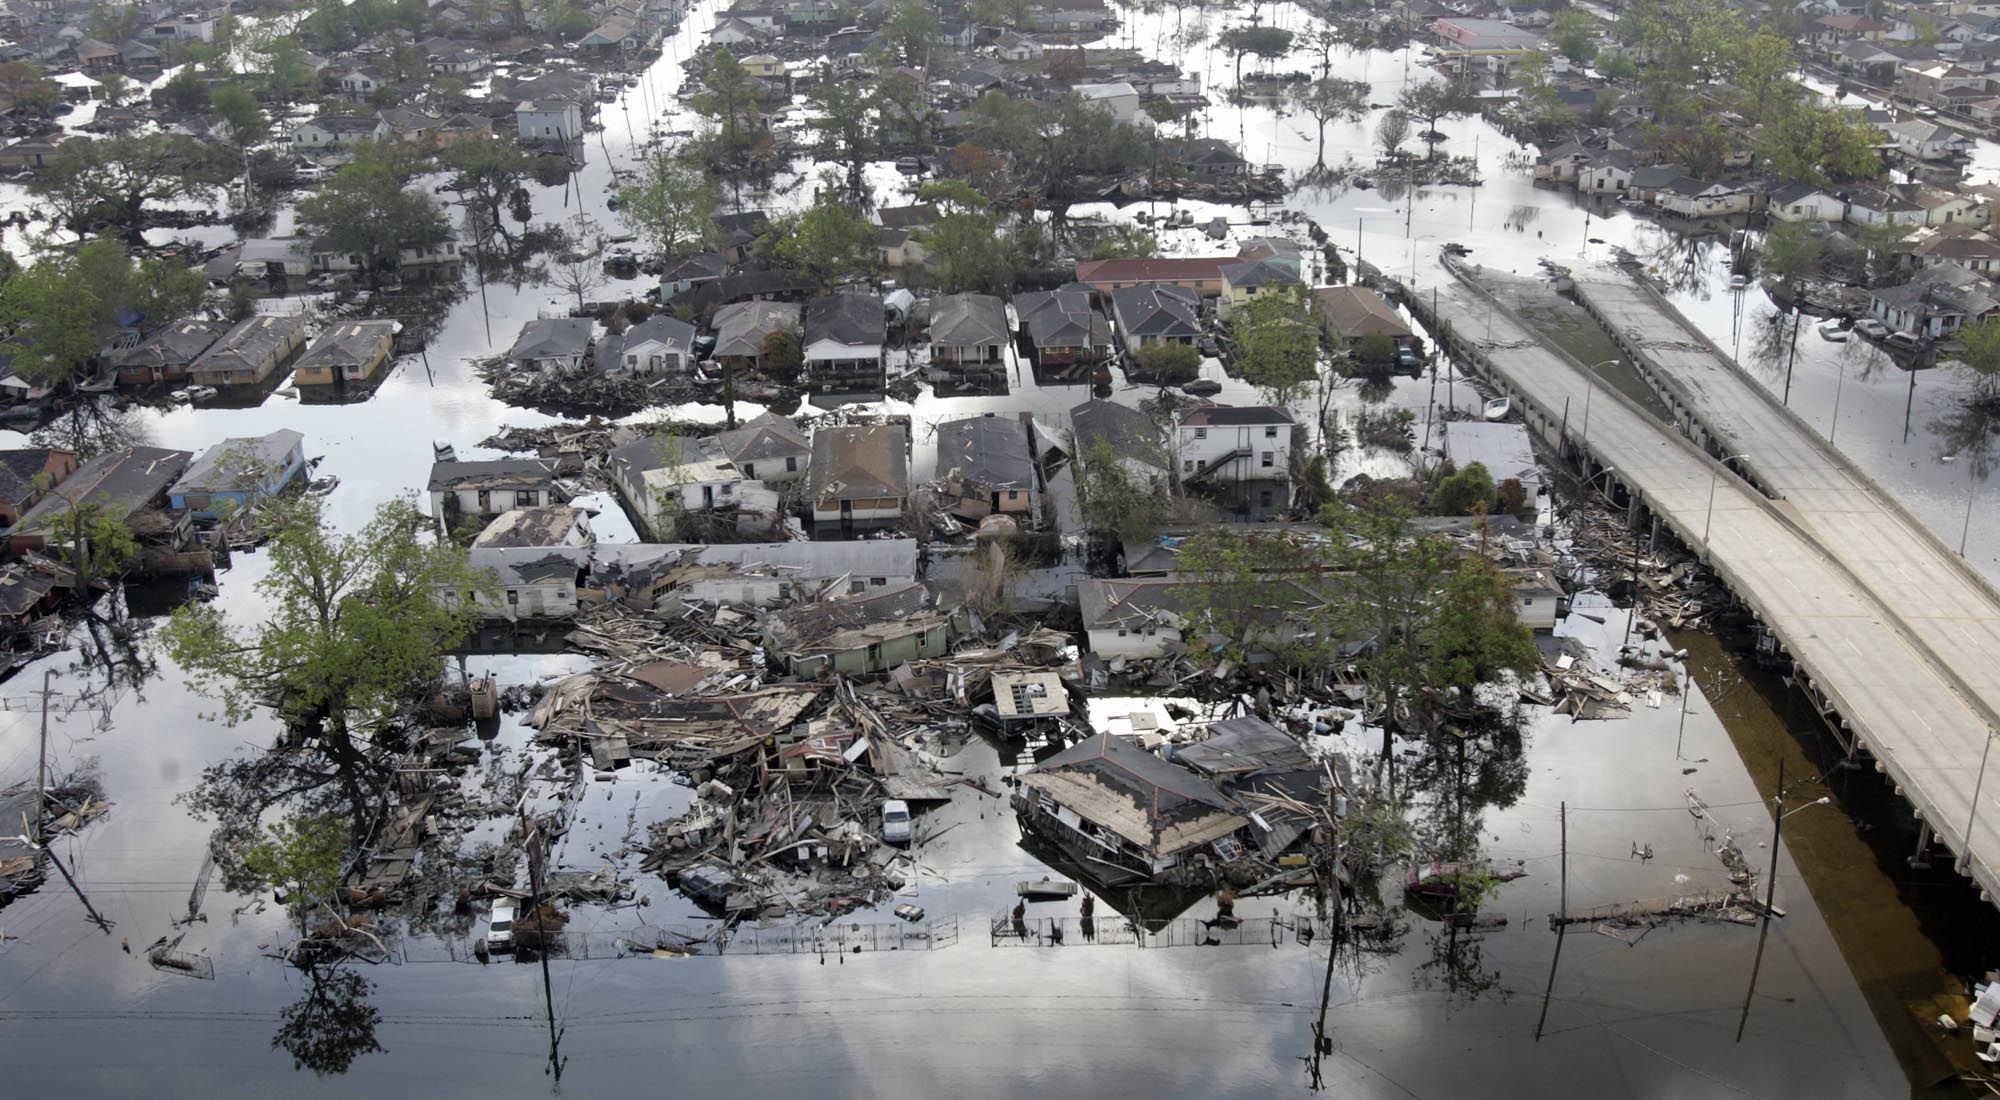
(1893, 635)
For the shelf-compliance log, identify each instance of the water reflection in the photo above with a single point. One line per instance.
(332, 1023)
(96, 427)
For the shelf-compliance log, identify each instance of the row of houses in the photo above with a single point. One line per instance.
(248, 353)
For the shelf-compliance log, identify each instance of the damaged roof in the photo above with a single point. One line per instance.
(817, 626)
(547, 525)
(848, 319)
(1109, 782)
(117, 484)
(768, 436)
(239, 464)
(498, 473)
(988, 451)
(857, 461)
(1243, 746)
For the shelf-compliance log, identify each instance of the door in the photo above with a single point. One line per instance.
(846, 517)
(707, 497)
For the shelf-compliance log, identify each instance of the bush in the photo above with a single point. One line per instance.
(1168, 364)
(1465, 492)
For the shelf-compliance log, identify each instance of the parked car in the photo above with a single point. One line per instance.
(1871, 328)
(500, 926)
(1903, 341)
(1834, 330)
(896, 828)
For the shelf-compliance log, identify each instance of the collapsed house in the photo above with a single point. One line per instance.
(858, 634)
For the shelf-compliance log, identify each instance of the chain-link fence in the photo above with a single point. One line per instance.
(1005, 931)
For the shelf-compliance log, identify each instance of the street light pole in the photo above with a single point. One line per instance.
(1834, 427)
(1413, 256)
(1778, 816)
(1591, 388)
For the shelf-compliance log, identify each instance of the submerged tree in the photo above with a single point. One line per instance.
(110, 181)
(488, 172)
(304, 857)
(1277, 344)
(1120, 494)
(827, 243)
(672, 206)
(1327, 99)
(365, 210)
(1434, 101)
(349, 628)
(332, 1024)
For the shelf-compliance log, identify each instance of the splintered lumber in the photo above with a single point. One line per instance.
(1709, 904)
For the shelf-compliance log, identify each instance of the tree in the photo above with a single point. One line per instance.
(1392, 131)
(1268, 43)
(100, 545)
(1125, 242)
(1168, 364)
(365, 210)
(24, 86)
(1574, 34)
(672, 206)
(1478, 633)
(233, 104)
(1466, 491)
(1115, 495)
(913, 31)
(964, 248)
(1327, 99)
(905, 112)
(828, 242)
(488, 172)
(109, 181)
(114, 88)
(1616, 65)
(304, 857)
(1235, 597)
(730, 97)
(346, 628)
(1433, 102)
(577, 265)
(1790, 252)
(49, 317)
(1978, 361)
(331, 1024)
(1277, 344)
(780, 356)
(1819, 145)
(186, 91)
(841, 116)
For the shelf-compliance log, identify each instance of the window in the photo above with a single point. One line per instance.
(750, 470)
(1121, 632)
(513, 597)
(1187, 465)
(1264, 499)
(1271, 432)
(791, 465)
(878, 582)
(1201, 433)
(1269, 459)
(527, 498)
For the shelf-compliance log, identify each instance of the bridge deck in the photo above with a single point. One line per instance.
(1903, 639)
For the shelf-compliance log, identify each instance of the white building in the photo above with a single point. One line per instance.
(549, 120)
(659, 477)
(1120, 99)
(537, 558)
(1230, 443)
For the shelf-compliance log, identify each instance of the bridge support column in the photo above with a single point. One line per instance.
(1920, 859)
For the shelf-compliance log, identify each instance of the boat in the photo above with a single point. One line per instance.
(320, 486)
(444, 452)
(180, 397)
(1498, 408)
(1833, 330)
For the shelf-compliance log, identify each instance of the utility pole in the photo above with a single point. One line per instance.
(537, 860)
(1561, 929)
(1770, 891)
(1791, 359)
(1322, 1046)
(95, 917)
(42, 766)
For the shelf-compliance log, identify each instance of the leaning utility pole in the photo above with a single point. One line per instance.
(42, 765)
(1562, 928)
(537, 857)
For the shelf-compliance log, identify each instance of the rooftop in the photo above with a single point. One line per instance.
(242, 464)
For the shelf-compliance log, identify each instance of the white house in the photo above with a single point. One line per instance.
(659, 477)
(770, 449)
(329, 133)
(859, 477)
(1925, 140)
(549, 120)
(658, 345)
(1801, 202)
(1135, 617)
(536, 558)
(844, 334)
(732, 31)
(1120, 99)
(486, 490)
(1234, 443)
(363, 82)
(1609, 176)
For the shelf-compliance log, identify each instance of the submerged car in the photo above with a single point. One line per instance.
(896, 827)
(500, 928)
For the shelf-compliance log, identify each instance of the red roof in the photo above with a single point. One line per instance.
(1159, 269)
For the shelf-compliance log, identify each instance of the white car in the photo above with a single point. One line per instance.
(500, 928)
(1832, 330)
(896, 828)
(1871, 328)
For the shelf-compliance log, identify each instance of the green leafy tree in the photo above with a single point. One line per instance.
(1478, 633)
(25, 87)
(1266, 43)
(1115, 496)
(1125, 242)
(365, 210)
(672, 206)
(1466, 491)
(114, 88)
(1327, 99)
(843, 118)
(1574, 34)
(729, 97)
(964, 248)
(1819, 145)
(1243, 594)
(1373, 353)
(827, 243)
(913, 31)
(780, 356)
(488, 172)
(100, 545)
(304, 857)
(234, 105)
(186, 91)
(903, 105)
(1978, 360)
(1433, 102)
(1168, 364)
(1791, 251)
(109, 181)
(1617, 65)
(49, 317)
(347, 628)
(1277, 344)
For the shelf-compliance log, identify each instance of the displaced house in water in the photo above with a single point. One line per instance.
(985, 467)
(1123, 813)
(1147, 617)
(769, 448)
(859, 478)
(481, 491)
(538, 557)
(638, 572)
(349, 352)
(857, 635)
(166, 354)
(236, 473)
(250, 352)
(129, 486)
(27, 475)
(552, 343)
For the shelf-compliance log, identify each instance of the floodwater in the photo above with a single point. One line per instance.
(1423, 1012)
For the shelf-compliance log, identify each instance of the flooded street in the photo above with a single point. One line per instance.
(1416, 1008)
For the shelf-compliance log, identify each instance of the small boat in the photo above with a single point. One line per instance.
(1833, 330)
(1498, 408)
(1045, 887)
(101, 384)
(443, 452)
(320, 486)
